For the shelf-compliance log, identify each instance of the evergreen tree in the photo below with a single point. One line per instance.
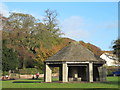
(9, 59)
(116, 48)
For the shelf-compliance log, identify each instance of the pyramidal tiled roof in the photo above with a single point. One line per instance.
(75, 52)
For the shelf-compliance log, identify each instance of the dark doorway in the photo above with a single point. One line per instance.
(82, 72)
(95, 74)
(78, 72)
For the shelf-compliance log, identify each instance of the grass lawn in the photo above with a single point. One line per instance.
(112, 82)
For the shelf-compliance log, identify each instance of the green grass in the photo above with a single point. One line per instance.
(112, 82)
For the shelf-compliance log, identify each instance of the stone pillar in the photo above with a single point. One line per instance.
(90, 72)
(48, 73)
(64, 72)
(102, 73)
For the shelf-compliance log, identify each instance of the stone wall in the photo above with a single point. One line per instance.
(30, 76)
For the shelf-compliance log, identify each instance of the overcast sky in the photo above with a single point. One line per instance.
(91, 22)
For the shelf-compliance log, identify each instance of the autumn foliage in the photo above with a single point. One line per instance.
(33, 41)
(96, 50)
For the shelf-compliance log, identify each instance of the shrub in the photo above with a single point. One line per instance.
(111, 69)
(29, 71)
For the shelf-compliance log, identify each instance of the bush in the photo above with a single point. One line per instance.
(29, 71)
(5, 73)
(111, 69)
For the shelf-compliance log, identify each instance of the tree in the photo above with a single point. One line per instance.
(9, 59)
(96, 50)
(51, 22)
(21, 21)
(25, 34)
(116, 48)
(17, 34)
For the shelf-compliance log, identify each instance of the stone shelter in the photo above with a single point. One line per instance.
(76, 63)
